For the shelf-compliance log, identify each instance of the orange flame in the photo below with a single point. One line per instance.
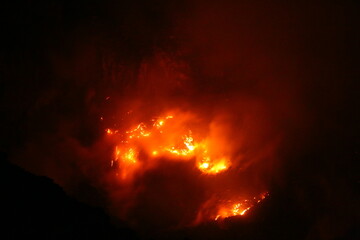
(170, 138)
(183, 147)
(239, 208)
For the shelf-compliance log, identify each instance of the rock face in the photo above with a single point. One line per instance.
(35, 207)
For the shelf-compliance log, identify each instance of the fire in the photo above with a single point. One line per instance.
(204, 165)
(138, 132)
(240, 208)
(207, 166)
(127, 161)
(170, 138)
(130, 156)
(169, 144)
(232, 210)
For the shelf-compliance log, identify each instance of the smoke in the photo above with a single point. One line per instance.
(239, 71)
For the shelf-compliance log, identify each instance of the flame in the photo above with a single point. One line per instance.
(183, 147)
(240, 208)
(210, 167)
(138, 132)
(170, 138)
(127, 161)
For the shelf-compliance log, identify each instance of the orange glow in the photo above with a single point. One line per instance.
(234, 210)
(171, 138)
(240, 208)
(110, 131)
(130, 156)
(213, 167)
(204, 165)
(127, 161)
(164, 140)
(138, 131)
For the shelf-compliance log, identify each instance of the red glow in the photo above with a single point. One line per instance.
(171, 137)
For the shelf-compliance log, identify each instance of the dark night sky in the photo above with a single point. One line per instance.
(301, 59)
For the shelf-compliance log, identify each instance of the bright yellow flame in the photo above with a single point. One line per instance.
(204, 165)
(189, 142)
(213, 167)
(159, 122)
(179, 152)
(130, 156)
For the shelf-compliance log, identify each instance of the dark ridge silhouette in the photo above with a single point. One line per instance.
(35, 207)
